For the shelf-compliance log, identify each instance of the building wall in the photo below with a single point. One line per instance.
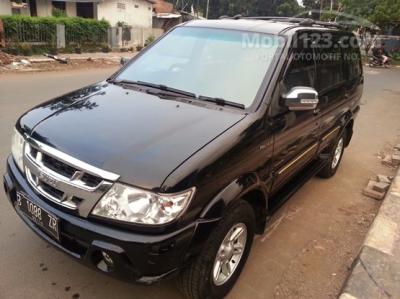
(71, 9)
(136, 13)
(5, 7)
(44, 8)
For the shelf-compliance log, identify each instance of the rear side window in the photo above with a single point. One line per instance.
(351, 57)
(329, 65)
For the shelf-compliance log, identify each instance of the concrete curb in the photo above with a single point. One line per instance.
(376, 270)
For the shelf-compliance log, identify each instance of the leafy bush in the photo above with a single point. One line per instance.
(25, 49)
(18, 29)
(105, 48)
(149, 40)
(43, 29)
(396, 55)
(56, 12)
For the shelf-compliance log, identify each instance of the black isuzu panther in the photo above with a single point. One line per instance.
(174, 163)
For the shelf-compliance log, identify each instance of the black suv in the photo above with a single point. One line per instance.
(173, 164)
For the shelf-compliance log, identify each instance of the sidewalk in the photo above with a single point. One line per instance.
(376, 271)
(38, 63)
(113, 56)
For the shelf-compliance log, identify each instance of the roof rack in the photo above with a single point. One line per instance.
(300, 21)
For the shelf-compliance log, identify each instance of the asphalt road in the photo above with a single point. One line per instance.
(306, 252)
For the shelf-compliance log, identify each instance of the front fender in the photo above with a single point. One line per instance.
(213, 212)
(234, 191)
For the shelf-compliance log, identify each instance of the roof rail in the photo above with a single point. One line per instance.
(300, 21)
(235, 17)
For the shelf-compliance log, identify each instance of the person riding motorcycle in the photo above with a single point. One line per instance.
(380, 54)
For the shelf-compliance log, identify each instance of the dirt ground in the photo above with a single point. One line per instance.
(72, 65)
(306, 252)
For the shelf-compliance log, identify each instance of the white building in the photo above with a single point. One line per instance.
(136, 13)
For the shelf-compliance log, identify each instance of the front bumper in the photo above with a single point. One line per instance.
(141, 258)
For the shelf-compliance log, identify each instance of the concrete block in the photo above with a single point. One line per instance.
(383, 179)
(387, 161)
(396, 160)
(370, 192)
(380, 187)
(373, 194)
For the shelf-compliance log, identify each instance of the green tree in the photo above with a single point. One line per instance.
(311, 4)
(380, 12)
(288, 8)
(387, 11)
(360, 8)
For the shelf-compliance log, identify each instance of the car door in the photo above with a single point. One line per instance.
(330, 83)
(296, 133)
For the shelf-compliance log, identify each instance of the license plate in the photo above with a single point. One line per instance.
(38, 215)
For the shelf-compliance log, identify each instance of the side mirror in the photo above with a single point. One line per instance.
(124, 60)
(301, 98)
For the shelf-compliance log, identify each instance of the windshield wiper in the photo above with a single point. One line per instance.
(167, 88)
(221, 102)
(218, 101)
(156, 86)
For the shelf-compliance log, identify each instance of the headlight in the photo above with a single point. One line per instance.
(130, 204)
(17, 148)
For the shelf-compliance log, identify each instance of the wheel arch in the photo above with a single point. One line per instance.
(349, 131)
(250, 189)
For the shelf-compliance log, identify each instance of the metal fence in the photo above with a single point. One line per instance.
(131, 37)
(31, 33)
(61, 36)
(74, 37)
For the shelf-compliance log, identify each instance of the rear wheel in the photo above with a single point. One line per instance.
(335, 158)
(214, 272)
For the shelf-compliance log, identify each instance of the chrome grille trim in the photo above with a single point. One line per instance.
(71, 187)
(67, 159)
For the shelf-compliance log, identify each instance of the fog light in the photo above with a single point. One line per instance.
(107, 259)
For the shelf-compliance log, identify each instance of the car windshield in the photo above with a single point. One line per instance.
(208, 62)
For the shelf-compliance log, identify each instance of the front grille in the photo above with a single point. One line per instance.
(58, 166)
(91, 180)
(63, 179)
(52, 191)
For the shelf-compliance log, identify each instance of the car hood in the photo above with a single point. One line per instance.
(139, 136)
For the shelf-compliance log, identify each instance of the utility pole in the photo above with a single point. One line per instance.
(208, 4)
(321, 8)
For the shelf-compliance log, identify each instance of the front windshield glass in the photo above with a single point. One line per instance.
(209, 62)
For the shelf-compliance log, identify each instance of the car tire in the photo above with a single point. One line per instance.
(336, 154)
(202, 279)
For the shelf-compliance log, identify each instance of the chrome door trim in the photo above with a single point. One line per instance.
(330, 133)
(294, 161)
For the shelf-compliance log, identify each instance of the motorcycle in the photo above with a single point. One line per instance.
(377, 62)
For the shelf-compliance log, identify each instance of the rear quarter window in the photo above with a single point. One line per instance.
(351, 56)
(329, 62)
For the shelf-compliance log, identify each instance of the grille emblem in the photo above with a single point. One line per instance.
(47, 179)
